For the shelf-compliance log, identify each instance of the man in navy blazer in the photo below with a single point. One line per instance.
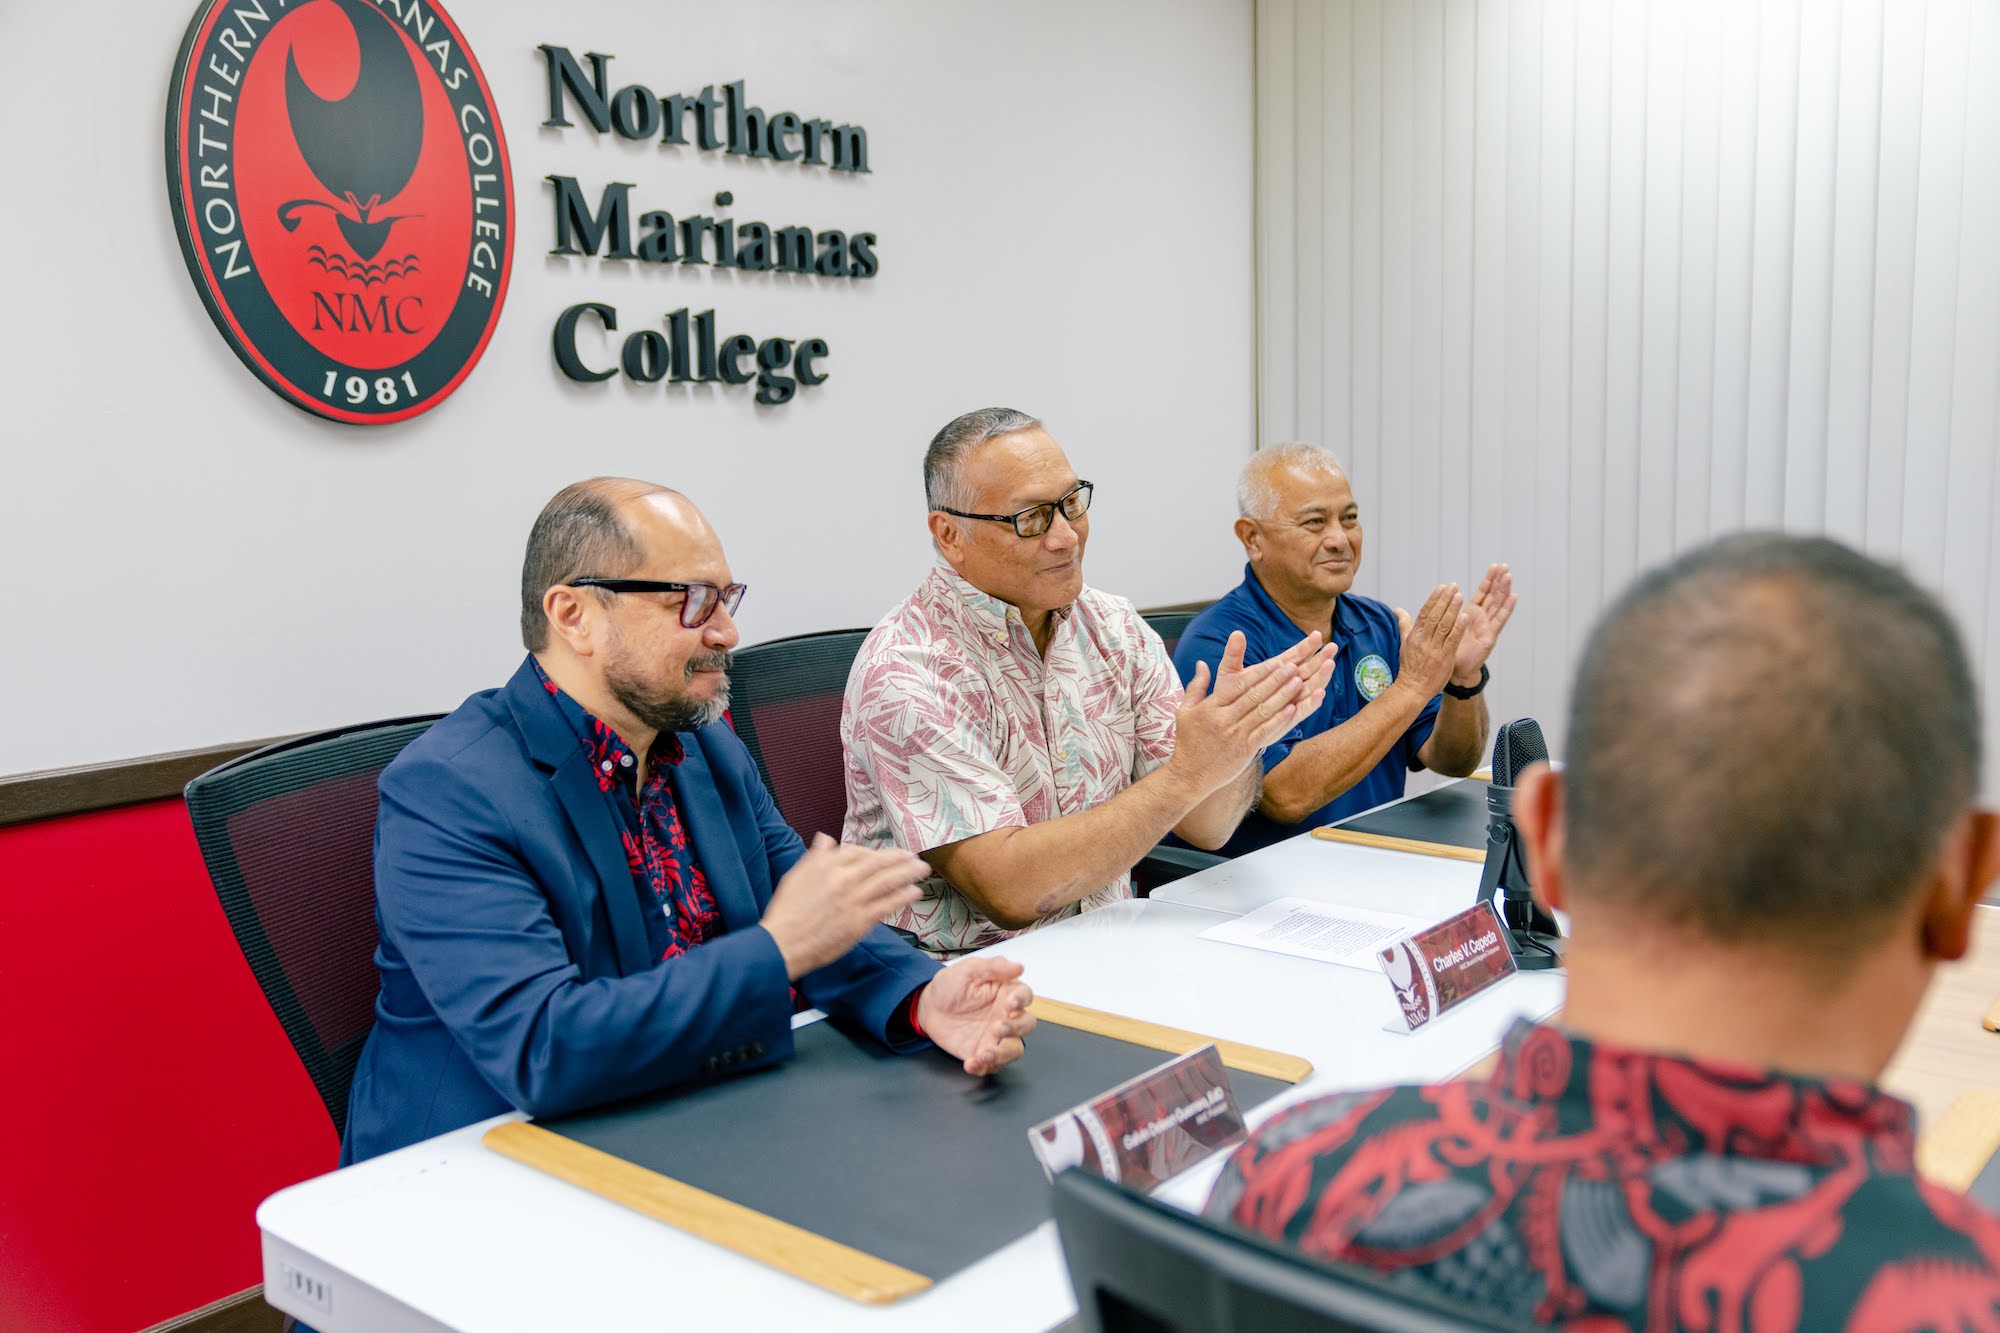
(583, 889)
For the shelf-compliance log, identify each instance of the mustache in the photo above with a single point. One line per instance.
(716, 661)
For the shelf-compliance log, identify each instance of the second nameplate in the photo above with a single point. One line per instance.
(1439, 967)
(1147, 1128)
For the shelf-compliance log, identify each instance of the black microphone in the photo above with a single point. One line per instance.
(1536, 941)
(1518, 745)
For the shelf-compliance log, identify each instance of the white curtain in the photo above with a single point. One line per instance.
(1576, 284)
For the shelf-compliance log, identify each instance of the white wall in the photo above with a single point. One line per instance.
(1063, 197)
(1575, 285)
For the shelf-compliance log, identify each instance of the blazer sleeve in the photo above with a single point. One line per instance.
(459, 898)
(864, 988)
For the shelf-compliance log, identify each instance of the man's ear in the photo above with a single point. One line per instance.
(949, 536)
(568, 620)
(1246, 532)
(1538, 822)
(1969, 866)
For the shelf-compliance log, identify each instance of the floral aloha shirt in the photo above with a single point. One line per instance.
(953, 725)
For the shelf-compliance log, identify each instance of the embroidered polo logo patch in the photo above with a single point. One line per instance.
(1372, 675)
(340, 186)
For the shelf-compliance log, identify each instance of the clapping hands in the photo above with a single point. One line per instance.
(1219, 731)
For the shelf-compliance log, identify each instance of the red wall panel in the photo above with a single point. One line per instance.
(150, 1097)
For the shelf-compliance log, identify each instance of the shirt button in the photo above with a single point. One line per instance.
(606, 766)
(624, 761)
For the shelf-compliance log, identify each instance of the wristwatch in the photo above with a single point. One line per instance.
(1467, 691)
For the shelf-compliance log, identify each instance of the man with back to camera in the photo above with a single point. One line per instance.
(1025, 734)
(583, 889)
(1765, 841)
(1407, 691)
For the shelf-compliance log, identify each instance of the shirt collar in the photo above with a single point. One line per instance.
(1343, 613)
(982, 612)
(609, 754)
(1686, 1105)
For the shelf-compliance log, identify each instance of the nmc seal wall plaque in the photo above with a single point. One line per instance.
(339, 182)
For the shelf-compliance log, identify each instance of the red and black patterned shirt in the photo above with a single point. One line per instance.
(674, 897)
(1610, 1189)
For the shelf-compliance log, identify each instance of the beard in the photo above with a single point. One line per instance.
(672, 710)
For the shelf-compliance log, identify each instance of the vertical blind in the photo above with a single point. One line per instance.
(1576, 284)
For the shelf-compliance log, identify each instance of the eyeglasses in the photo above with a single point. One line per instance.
(702, 598)
(1036, 519)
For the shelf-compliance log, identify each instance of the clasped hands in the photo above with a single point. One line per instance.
(977, 1009)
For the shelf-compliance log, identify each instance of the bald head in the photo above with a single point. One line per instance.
(586, 530)
(1769, 739)
(1274, 471)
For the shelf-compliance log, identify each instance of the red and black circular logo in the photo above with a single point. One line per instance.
(340, 186)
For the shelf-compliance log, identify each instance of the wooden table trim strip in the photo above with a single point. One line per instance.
(804, 1254)
(1236, 1055)
(1388, 844)
(1962, 1141)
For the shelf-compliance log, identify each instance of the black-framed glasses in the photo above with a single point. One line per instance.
(702, 598)
(1037, 519)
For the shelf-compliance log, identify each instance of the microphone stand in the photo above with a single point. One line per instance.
(1533, 936)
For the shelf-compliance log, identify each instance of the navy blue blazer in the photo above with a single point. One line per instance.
(515, 965)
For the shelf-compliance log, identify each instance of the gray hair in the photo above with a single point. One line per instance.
(960, 436)
(1768, 739)
(1257, 494)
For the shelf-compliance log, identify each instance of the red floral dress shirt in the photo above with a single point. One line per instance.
(1602, 1188)
(680, 910)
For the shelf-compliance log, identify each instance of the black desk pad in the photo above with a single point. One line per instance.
(1454, 816)
(907, 1158)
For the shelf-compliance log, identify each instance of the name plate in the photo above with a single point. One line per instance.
(1441, 966)
(1147, 1128)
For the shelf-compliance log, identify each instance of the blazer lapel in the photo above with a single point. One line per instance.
(715, 845)
(553, 744)
(576, 787)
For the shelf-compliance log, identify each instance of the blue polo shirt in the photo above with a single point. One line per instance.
(1371, 652)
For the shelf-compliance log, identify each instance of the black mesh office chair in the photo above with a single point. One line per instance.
(785, 702)
(288, 833)
(1141, 1267)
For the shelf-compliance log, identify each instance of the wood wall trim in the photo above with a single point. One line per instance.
(151, 777)
(25, 797)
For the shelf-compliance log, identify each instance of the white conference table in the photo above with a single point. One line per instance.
(449, 1235)
(1342, 873)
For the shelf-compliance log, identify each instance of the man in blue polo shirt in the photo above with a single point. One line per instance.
(1406, 690)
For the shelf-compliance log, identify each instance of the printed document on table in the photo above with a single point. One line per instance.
(1349, 936)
